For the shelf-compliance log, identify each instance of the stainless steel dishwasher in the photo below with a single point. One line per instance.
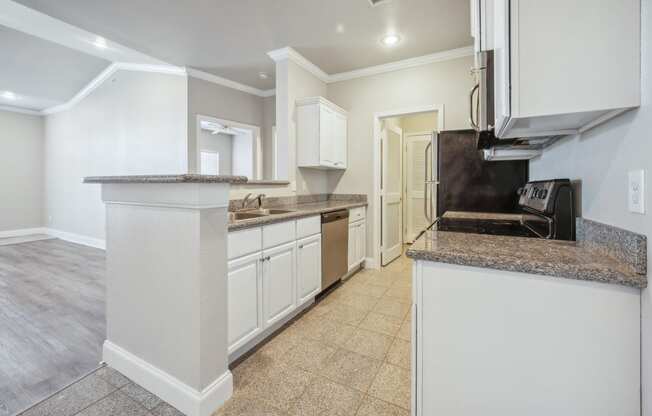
(334, 246)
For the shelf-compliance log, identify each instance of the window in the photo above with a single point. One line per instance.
(210, 163)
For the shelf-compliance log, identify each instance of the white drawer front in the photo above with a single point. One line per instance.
(308, 226)
(356, 214)
(279, 233)
(244, 242)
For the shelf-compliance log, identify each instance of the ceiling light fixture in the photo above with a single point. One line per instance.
(339, 28)
(263, 75)
(9, 95)
(390, 40)
(100, 43)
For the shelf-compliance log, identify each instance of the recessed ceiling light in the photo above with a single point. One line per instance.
(339, 28)
(263, 75)
(100, 42)
(390, 40)
(9, 95)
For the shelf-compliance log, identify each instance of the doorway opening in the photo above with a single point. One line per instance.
(404, 200)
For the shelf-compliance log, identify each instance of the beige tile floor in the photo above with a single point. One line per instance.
(347, 355)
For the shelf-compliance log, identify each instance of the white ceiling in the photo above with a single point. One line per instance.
(41, 73)
(230, 38)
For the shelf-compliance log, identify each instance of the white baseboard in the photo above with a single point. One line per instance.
(77, 238)
(23, 232)
(185, 398)
(370, 263)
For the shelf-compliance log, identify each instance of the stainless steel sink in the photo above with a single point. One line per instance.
(256, 213)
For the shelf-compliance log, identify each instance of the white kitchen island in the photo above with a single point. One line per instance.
(511, 326)
(166, 259)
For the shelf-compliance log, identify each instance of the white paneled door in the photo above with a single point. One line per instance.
(391, 194)
(415, 172)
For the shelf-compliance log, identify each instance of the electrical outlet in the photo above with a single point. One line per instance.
(636, 191)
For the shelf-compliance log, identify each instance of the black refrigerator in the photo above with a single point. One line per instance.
(459, 179)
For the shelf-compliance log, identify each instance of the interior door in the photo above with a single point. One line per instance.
(391, 206)
(415, 172)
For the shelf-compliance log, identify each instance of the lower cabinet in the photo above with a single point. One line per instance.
(308, 268)
(244, 300)
(279, 271)
(357, 243)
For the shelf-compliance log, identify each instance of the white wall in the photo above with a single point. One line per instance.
(446, 83)
(220, 143)
(601, 159)
(135, 123)
(21, 181)
(209, 99)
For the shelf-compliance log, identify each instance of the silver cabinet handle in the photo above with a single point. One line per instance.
(474, 124)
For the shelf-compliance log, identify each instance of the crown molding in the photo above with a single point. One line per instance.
(404, 64)
(195, 73)
(289, 53)
(269, 93)
(20, 110)
(104, 75)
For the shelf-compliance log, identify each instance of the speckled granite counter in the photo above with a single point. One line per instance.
(615, 259)
(303, 206)
(186, 178)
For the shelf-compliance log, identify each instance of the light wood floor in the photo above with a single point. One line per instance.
(52, 318)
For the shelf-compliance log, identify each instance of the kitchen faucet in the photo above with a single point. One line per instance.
(246, 200)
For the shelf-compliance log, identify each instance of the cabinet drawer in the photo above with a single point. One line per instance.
(244, 242)
(356, 214)
(276, 234)
(308, 226)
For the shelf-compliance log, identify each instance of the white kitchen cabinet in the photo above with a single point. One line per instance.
(279, 277)
(308, 268)
(321, 134)
(357, 243)
(564, 67)
(244, 300)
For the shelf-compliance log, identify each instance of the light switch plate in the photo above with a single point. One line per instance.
(636, 191)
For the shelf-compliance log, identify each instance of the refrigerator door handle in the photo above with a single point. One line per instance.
(426, 184)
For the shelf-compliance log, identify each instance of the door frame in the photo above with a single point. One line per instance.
(374, 263)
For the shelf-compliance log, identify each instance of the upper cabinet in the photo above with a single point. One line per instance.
(321, 134)
(560, 67)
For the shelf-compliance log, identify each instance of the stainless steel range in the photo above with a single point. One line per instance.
(546, 210)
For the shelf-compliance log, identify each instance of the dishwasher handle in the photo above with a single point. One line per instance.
(334, 216)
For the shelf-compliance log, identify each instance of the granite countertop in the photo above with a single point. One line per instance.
(467, 215)
(300, 210)
(567, 259)
(185, 178)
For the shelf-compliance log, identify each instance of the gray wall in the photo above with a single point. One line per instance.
(135, 123)
(269, 121)
(220, 143)
(21, 181)
(208, 99)
(601, 159)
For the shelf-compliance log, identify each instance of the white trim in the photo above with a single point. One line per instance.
(370, 263)
(177, 393)
(377, 117)
(195, 73)
(404, 64)
(20, 110)
(23, 232)
(22, 18)
(289, 53)
(104, 75)
(77, 238)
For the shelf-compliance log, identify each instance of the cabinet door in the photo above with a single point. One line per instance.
(279, 269)
(326, 148)
(244, 300)
(361, 242)
(340, 140)
(308, 268)
(353, 241)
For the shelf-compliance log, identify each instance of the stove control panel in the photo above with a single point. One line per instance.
(540, 196)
